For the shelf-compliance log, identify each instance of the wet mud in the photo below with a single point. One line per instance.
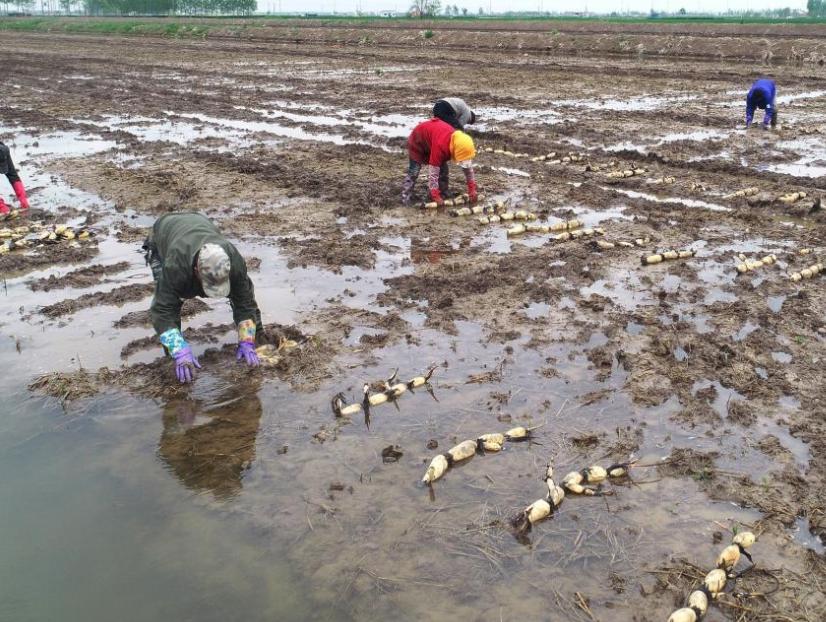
(82, 277)
(713, 379)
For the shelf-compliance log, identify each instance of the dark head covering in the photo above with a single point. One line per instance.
(444, 111)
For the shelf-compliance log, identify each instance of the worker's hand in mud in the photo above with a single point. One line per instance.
(246, 351)
(185, 365)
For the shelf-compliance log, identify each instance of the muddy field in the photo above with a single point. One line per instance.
(291, 138)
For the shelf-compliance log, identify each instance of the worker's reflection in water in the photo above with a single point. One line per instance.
(210, 447)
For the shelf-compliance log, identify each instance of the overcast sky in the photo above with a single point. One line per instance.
(596, 6)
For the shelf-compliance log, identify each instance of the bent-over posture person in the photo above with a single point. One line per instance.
(190, 258)
(7, 169)
(435, 143)
(762, 95)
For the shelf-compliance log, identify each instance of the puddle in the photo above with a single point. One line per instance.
(594, 217)
(722, 397)
(782, 357)
(623, 288)
(787, 99)
(510, 171)
(490, 115)
(632, 328)
(812, 160)
(650, 197)
(642, 103)
(775, 303)
(536, 310)
(747, 329)
(802, 534)
(704, 135)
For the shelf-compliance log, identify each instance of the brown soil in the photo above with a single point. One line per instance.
(683, 357)
(82, 277)
(118, 296)
(20, 262)
(190, 308)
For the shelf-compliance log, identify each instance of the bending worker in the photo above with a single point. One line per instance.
(189, 257)
(7, 169)
(761, 96)
(454, 111)
(435, 143)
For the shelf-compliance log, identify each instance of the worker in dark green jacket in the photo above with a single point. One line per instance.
(189, 257)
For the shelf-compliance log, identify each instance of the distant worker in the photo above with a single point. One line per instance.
(435, 143)
(189, 257)
(7, 169)
(454, 111)
(761, 96)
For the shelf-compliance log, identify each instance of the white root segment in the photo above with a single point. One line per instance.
(807, 273)
(729, 557)
(438, 467)
(462, 451)
(744, 539)
(517, 434)
(350, 409)
(685, 614)
(556, 494)
(748, 266)
(378, 398)
(595, 474)
(538, 510)
(670, 255)
(491, 442)
(397, 389)
(698, 600)
(745, 192)
(792, 197)
(715, 581)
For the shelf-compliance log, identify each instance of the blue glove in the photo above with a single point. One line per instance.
(246, 351)
(185, 364)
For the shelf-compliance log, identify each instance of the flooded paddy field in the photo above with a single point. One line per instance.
(244, 496)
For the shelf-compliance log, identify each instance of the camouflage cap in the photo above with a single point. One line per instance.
(214, 269)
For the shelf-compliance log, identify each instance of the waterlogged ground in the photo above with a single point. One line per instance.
(243, 497)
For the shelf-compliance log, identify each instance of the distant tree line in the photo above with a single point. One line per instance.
(136, 7)
(816, 8)
(170, 7)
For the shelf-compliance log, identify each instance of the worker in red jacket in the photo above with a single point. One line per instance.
(435, 143)
(7, 169)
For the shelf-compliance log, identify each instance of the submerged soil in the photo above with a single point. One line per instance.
(292, 141)
(82, 277)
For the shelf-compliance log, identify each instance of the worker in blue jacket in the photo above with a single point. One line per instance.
(761, 96)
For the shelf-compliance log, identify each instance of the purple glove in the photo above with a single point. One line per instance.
(246, 351)
(185, 364)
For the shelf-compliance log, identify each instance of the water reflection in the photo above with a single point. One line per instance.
(209, 449)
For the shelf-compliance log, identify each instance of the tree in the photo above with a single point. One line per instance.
(682, 11)
(426, 8)
(464, 11)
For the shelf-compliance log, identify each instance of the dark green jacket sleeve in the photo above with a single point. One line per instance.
(166, 307)
(242, 293)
